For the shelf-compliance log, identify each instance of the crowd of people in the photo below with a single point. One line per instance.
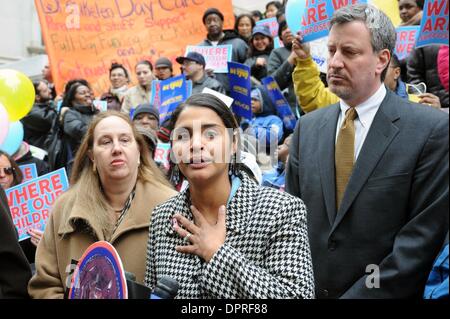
(362, 180)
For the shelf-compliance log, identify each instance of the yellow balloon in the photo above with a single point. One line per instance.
(16, 94)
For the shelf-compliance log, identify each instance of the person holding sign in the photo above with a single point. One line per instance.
(281, 65)
(114, 187)
(261, 46)
(372, 170)
(213, 20)
(10, 173)
(225, 236)
(141, 93)
(193, 67)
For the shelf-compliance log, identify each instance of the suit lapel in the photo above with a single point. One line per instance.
(380, 136)
(327, 138)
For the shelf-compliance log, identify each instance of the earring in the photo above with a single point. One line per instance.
(232, 170)
(175, 178)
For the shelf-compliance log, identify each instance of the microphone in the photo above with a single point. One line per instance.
(166, 288)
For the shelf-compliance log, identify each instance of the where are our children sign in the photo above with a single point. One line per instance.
(30, 203)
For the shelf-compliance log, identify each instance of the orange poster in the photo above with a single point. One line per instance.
(83, 37)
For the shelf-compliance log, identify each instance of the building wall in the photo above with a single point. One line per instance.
(19, 30)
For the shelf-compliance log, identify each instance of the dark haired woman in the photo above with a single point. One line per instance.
(261, 45)
(225, 236)
(119, 79)
(141, 93)
(244, 26)
(272, 9)
(79, 115)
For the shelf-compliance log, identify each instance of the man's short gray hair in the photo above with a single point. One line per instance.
(382, 31)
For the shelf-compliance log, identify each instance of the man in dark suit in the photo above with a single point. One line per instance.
(372, 171)
(15, 271)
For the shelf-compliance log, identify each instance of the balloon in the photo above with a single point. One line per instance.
(4, 124)
(14, 138)
(16, 94)
(295, 10)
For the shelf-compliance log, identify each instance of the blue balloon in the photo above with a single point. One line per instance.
(295, 11)
(14, 139)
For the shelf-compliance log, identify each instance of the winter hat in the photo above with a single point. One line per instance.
(146, 108)
(212, 11)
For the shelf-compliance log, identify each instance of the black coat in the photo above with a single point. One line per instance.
(38, 123)
(15, 271)
(394, 213)
(422, 67)
(76, 123)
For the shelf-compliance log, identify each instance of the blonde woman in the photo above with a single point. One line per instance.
(114, 187)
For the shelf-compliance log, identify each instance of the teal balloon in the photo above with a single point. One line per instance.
(295, 11)
(14, 139)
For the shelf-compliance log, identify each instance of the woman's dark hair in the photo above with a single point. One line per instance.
(115, 66)
(420, 4)
(70, 83)
(277, 4)
(70, 96)
(17, 173)
(395, 61)
(240, 17)
(145, 62)
(208, 101)
(257, 13)
(252, 50)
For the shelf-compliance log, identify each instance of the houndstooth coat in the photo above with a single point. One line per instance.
(265, 255)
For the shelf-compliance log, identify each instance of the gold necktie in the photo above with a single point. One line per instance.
(345, 154)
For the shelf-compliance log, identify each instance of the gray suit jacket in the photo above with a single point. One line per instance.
(394, 213)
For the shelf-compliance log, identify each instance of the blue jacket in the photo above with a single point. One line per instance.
(437, 285)
(265, 122)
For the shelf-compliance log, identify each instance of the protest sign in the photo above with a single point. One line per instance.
(434, 25)
(29, 172)
(168, 94)
(272, 24)
(315, 21)
(82, 38)
(283, 108)
(216, 58)
(99, 274)
(240, 85)
(101, 106)
(30, 202)
(278, 43)
(319, 53)
(406, 41)
(162, 155)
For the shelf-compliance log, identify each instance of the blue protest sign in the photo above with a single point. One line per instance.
(272, 24)
(434, 25)
(30, 203)
(29, 172)
(240, 84)
(406, 41)
(168, 94)
(283, 109)
(312, 17)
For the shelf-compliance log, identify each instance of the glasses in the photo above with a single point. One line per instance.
(7, 170)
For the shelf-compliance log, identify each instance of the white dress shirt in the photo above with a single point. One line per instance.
(366, 113)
